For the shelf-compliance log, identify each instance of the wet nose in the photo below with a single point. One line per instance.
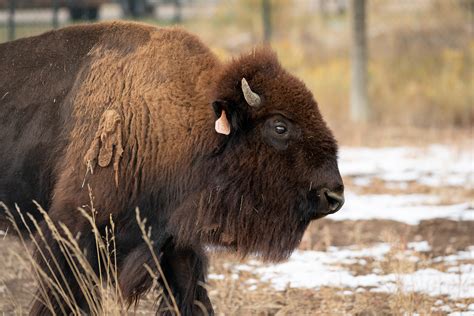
(334, 200)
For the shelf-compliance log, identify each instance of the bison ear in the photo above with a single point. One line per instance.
(222, 124)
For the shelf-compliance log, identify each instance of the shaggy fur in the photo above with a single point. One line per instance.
(129, 110)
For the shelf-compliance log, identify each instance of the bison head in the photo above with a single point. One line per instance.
(275, 168)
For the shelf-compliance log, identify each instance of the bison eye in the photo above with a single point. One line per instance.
(280, 129)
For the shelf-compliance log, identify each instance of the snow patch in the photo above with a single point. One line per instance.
(436, 165)
(420, 246)
(408, 208)
(314, 269)
(213, 276)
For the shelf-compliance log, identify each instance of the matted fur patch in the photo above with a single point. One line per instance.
(107, 137)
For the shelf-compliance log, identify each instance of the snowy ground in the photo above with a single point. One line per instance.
(435, 166)
(407, 208)
(313, 269)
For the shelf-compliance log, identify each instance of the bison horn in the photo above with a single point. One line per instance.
(251, 97)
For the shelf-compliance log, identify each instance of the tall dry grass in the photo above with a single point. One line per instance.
(100, 290)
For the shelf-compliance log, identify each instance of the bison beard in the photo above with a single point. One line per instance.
(234, 155)
(259, 218)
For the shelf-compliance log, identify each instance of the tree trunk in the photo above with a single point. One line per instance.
(267, 22)
(11, 20)
(360, 109)
(55, 20)
(177, 12)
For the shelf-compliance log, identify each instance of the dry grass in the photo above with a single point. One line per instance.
(100, 291)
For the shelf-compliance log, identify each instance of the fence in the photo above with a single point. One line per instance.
(12, 24)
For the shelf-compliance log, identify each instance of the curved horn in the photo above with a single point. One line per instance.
(251, 97)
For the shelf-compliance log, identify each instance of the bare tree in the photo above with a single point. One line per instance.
(267, 22)
(360, 108)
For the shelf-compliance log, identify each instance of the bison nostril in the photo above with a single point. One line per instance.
(335, 200)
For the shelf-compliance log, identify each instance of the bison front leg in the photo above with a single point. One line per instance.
(185, 272)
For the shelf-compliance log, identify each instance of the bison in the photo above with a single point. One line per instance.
(234, 154)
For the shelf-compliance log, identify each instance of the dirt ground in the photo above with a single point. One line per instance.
(232, 295)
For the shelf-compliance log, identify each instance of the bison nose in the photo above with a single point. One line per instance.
(334, 200)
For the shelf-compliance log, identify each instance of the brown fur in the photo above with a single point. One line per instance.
(128, 112)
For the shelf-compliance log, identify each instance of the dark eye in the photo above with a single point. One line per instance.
(280, 129)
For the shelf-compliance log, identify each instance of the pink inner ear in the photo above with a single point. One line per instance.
(222, 124)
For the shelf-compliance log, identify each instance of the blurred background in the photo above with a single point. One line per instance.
(410, 60)
(394, 80)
